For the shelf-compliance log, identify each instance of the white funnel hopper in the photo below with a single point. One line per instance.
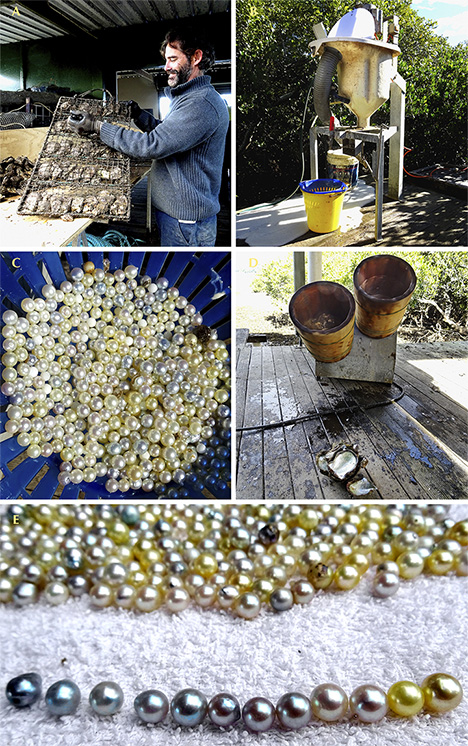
(366, 66)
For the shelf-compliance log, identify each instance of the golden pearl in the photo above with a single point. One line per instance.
(459, 532)
(346, 577)
(410, 565)
(440, 562)
(405, 698)
(442, 692)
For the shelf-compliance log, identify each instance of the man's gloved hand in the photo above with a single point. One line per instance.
(83, 123)
(135, 110)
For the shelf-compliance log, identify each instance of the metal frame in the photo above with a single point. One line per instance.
(378, 137)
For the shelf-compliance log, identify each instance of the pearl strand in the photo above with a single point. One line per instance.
(117, 376)
(238, 558)
(438, 693)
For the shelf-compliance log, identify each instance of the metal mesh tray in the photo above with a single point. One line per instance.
(78, 176)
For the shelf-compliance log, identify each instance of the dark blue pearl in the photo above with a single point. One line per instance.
(63, 698)
(24, 690)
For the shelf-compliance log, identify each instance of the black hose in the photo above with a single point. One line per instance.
(323, 80)
(325, 412)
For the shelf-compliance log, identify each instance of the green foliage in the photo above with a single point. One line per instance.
(442, 278)
(275, 72)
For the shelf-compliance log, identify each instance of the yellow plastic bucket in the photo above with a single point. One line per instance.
(323, 200)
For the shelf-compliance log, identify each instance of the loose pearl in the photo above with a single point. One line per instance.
(24, 690)
(63, 698)
(303, 592)
(25, 594)
(386, 584)
(281, 599)
(369, 703)
(258, 714)
(189, 707)
(247, 605)
(224, 710)
(442, 692)
(405, 698)
(293, 711)
(177, 600)
(329, 702)
(151, 706)
(106, 698)
(56, 593)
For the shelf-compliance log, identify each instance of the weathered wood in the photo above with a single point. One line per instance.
(250, 460)
(416, 448)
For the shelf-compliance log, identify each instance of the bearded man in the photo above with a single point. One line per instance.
(187, 146)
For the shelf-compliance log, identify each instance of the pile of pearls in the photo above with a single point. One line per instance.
(118, 377)
(439, 693)
(235, 557)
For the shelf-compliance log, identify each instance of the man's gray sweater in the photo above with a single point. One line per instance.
(187, 149)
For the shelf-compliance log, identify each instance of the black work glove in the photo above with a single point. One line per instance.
(83, 123)
(135, 110)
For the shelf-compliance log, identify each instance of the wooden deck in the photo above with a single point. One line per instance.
(416, 448)
(422, 217)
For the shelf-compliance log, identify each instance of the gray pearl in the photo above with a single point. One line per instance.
(386, 584)
(293, 710)
(78, 585)
(25, 593)
(24, 690)
(224, 710)
(281, 599)
(329, 702)
(63, 697)
(258, 714)
(151, 706)
(189, 707)
(369, 703)
(106, 698)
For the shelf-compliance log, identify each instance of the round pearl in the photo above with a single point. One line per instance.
(189, 708)
(258, 714)
(56, 593)
(224, 710)
(369, 703)
(442, 692)
(63, 698)
(151, 706)
(281, 599)
(303, 591)
(247, 605)
(405, 698)
(24, 690)
(329, 702)
(293, 711)
(25, 593)
(386, 584)
(177, 600)
(106, 698)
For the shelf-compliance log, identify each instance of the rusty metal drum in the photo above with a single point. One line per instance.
(323, 314)
(383, 286)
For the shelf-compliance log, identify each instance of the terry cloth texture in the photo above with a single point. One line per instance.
(187, 148)
(349, 638)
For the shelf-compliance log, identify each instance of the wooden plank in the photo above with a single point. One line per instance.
(317, 431)
(448, 374)
(418, 380)
(434, 471)
(250, 459)
(387, 446)
(305, 480)
(277, 475)
(363, 433)
(435, 419)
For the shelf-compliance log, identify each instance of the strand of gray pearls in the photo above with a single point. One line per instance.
(439, 693)
(115, 374)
